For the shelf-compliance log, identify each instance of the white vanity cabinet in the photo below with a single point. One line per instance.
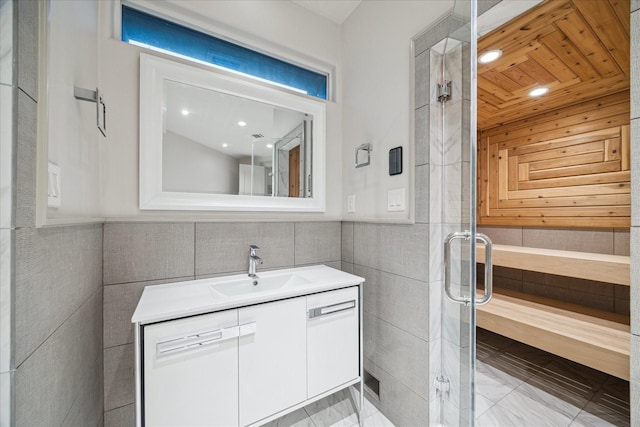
(190, 371)
(245, 360)
(272, 362)
(332, 340)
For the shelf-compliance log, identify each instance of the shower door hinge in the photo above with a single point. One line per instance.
(444, 91)
(442, 384)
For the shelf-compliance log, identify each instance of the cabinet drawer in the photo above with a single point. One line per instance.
(332, 339)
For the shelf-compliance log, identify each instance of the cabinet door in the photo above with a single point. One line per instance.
(191, 371)
(333, 337)
(272, 361)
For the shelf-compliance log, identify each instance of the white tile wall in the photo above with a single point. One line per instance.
(6, 155)
(6, 42)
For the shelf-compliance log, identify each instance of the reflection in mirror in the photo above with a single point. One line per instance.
(210, 140)
(218, 143)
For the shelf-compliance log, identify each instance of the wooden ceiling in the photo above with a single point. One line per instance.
(579, 49)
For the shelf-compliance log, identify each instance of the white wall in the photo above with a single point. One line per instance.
(188, 166)
(279, 27)
(377, 100)
(71, 133)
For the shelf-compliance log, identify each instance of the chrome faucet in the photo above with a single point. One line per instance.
(254, 260)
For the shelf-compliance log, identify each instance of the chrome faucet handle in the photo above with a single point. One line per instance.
(252, 249)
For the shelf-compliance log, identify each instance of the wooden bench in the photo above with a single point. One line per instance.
(594, 338)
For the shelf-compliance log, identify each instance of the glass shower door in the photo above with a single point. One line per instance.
(453, 191)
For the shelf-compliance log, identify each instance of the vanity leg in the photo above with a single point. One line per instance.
(138, 373)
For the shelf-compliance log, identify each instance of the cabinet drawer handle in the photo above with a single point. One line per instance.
(330, 309)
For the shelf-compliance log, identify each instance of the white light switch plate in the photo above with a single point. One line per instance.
(351, 203)
(395, 200)
(53, 190)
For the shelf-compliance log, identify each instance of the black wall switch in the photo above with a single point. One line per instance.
(395, 161)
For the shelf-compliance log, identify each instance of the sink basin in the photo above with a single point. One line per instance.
(246, 285)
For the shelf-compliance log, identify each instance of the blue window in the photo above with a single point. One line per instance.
(141, 28)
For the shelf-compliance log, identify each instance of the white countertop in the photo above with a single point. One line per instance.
(187, 298)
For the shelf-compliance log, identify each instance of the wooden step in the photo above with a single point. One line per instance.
(584, 265)
(588, 336)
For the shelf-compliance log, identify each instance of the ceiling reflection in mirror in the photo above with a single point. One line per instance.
(217, 143)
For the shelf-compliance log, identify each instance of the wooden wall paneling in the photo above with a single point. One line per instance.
(625, 157)
(568, 171)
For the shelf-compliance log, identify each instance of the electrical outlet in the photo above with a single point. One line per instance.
(351, 203)
(53, 186)
(395, 200)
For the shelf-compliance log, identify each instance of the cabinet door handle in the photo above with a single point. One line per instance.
(194, 341)
(203, 339)
(330, 309)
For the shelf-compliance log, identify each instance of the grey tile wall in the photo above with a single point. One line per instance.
(62, 371)
(621, 242)
(147, 251)
(317, 242)
(397, 249)
(120, 417)
(421, 151)
(503, 235)
(223, 247)
(57, 269)
(26, 160)
(422, 194)
(27, 61)
(384, 293)
(142, 254)
(596, 241)
(119, 304)
(119, 376)
(347, 242)
(422, 64)
(401, 405)
(87, 408)
(399, 353)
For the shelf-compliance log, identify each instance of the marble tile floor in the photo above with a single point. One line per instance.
(516, 386)
(337, 410)
(521, 386)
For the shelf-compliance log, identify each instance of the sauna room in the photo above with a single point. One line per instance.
(553, 194)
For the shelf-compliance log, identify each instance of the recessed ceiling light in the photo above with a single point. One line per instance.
(225, 145)
(185, 112)
(269, 145)
(241, 123)
(539, 91)
(490, 56)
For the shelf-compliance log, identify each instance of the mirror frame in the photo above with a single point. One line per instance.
(153, 72)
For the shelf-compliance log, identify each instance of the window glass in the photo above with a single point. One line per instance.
(147, 30)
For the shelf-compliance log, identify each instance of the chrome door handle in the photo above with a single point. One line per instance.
(458, 235)
(488, 269)
(488, 272)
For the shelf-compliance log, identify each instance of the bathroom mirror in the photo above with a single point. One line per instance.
(212, 141)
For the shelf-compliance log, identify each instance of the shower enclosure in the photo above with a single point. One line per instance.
(452, 195)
